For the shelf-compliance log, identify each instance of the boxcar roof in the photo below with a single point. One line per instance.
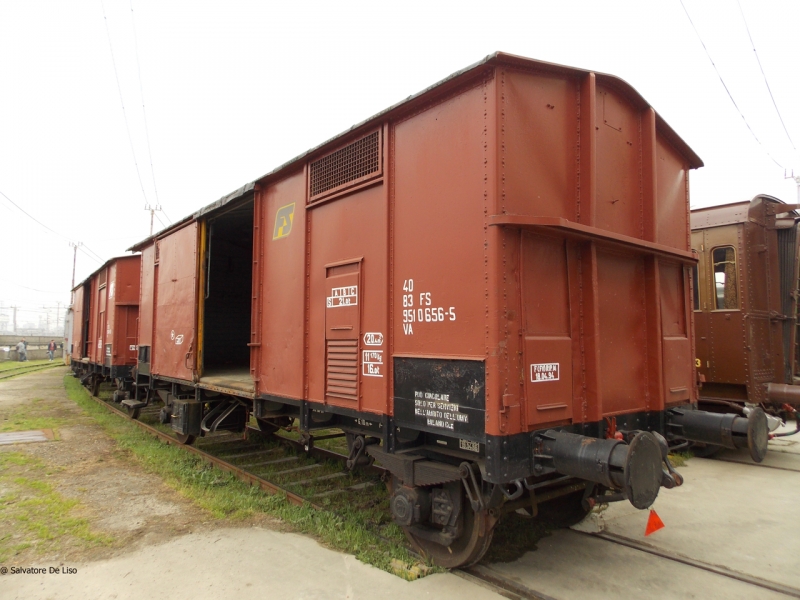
(443, 86)
(100, 268)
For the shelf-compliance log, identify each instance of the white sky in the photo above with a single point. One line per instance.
(233, 89)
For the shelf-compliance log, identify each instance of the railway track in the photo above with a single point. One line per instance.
(279, 464)
(7, 374)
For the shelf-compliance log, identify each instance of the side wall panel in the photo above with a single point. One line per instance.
(623, 332)
(619, 192)
(539, 144)
(441, 193)
(672, 214)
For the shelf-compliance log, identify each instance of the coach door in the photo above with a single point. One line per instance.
(342, 332)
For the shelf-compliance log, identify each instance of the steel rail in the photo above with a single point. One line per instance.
(761, 465)
(718, 570)
(508, 588)
(241, 474)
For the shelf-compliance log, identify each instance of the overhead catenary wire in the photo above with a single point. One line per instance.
(758, 60)
(722, 81)
(96, 256)
(144, 111)
(122, 102)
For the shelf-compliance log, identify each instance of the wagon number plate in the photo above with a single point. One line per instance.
(468, 445)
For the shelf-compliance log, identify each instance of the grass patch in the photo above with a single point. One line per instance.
(34, 515)
(359, 526)
(679, 459)
(20, 421)
(7, 365)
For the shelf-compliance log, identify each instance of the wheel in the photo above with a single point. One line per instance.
(267, 426)
(133, 413)
(468, 549)
(118, 396)
(705, 450)
(186, 440)
(564, 511)
(95, 386)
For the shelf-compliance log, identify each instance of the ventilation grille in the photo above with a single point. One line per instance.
(347, 166)
(341, 378)
(101, 278)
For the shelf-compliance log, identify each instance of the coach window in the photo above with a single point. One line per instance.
(696, 288)
(725, 280)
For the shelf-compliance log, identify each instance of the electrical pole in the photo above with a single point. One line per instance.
(74, 260)
(152, 210)
(796, 178)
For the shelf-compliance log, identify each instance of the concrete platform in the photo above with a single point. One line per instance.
(730, 513)
(26, 437)
(235, 563)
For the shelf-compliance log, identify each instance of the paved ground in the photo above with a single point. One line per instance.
(234, 563)
(729, 512)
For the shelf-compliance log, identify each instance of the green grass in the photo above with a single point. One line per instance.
(679, 459)
(19, 420)
(360, 527)
(34, 515)
(7, 365)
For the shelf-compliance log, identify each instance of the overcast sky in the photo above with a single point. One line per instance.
(233, 89)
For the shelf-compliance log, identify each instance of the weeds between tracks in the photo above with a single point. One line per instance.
(346, 526)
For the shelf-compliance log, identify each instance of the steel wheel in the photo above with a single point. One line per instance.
(467, 549)
(564, 511)
(186, 440)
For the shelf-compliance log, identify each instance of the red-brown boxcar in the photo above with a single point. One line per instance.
(486, 287)
(104, 336)
(746, 305)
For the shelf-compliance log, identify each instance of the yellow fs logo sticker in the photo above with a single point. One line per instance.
(283, 221)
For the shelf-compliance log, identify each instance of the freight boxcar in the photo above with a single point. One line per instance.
(745, 306)
(486, 286)
(104, 327)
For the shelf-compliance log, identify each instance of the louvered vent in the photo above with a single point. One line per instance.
(341, 379)
(101, 278)
(346, 167)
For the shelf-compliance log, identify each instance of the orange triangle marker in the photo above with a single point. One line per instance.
(654, 523)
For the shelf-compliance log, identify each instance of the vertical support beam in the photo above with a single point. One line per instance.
(587, 394)
(259, 227)
(655, 352)
(649, 183)
(389, 190)
(587, 170)
(497, 419)
(200, 305)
